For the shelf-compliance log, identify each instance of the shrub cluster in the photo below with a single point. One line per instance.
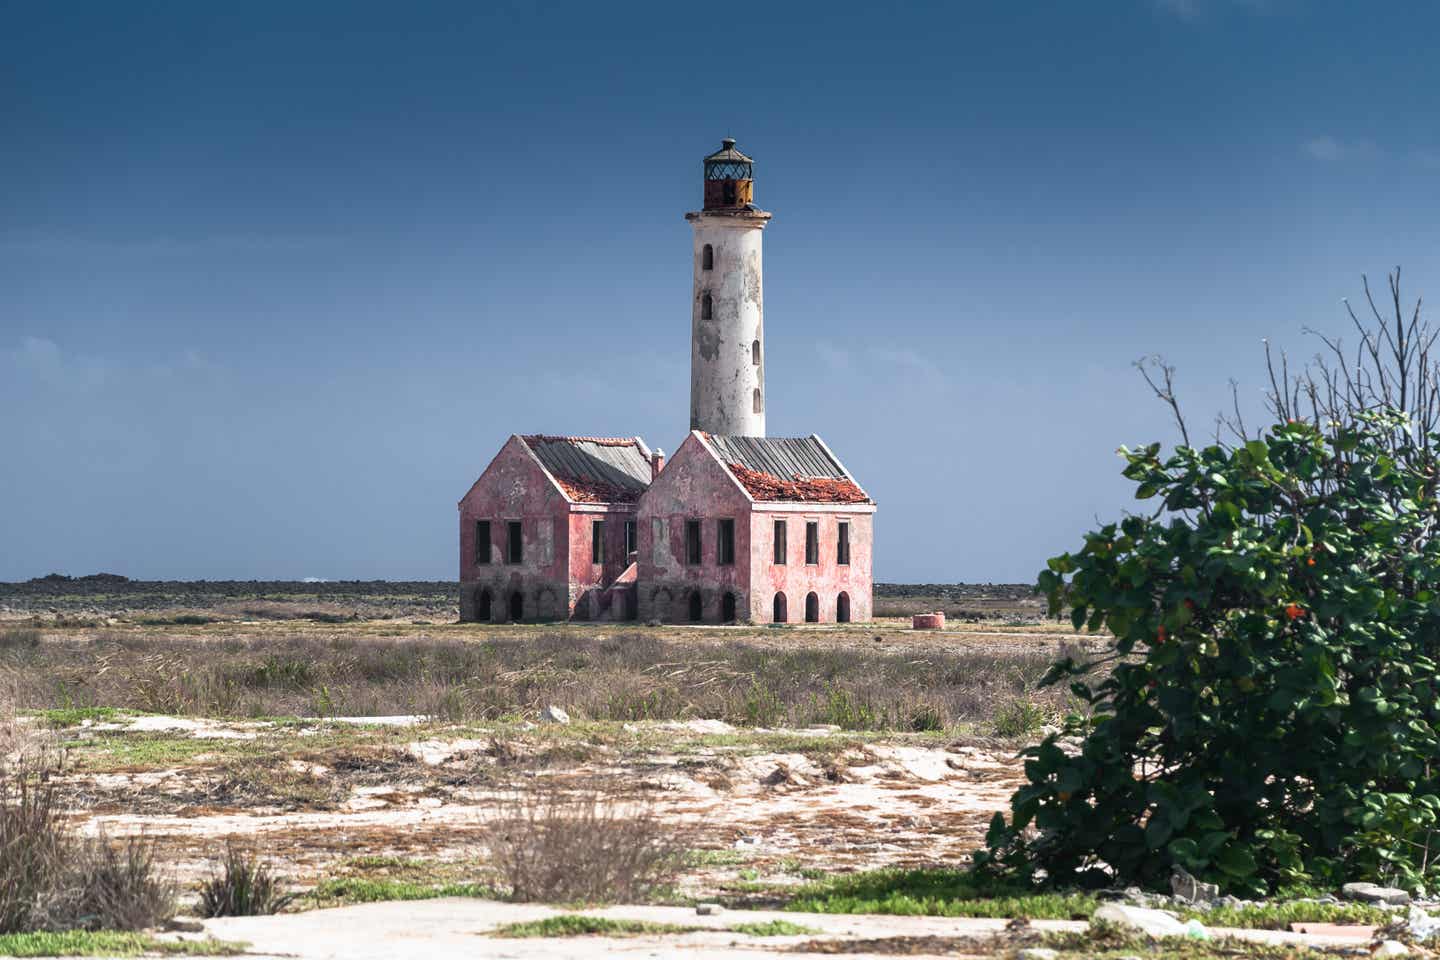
(1273, 712)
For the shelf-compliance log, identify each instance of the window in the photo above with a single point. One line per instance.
(780, 608)
(632, 539)
(514, 547)
(842, 608)
(697, 606)
(707, 258)
(517, 607)
(482, 542)
(725, 539)
(780, 541)
(757, 403)
(597, 541)
(842, 543)
(692, 542)
(706, 307)
(812, 608)
(727, 608)
(755, 352)
(812, 542)
(482, 606)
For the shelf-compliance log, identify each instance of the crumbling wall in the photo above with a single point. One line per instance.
(828, 578)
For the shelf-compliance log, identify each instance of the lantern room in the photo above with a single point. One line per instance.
(729, 178)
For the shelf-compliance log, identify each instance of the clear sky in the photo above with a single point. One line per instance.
(277, 279)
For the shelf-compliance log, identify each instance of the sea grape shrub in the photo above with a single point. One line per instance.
(1270, 711)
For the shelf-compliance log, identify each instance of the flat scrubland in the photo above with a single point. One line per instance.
(828, 769)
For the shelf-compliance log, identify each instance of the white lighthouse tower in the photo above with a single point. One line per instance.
(727, 325)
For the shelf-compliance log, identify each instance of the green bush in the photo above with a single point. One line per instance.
(241, 885)
(1273, 716)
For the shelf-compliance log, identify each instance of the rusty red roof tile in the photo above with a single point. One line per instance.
(768, 487)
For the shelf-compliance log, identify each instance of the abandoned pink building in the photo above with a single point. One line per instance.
(737, 526)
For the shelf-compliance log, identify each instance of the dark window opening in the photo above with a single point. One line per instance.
(692, 542)
(632, 604)
(482, 541)
(755, 352)
(482, 605)
(842, 544)
(706, 307)
(812, 542)
(780, 541)
(697, 606)
(842, 608)
(632, 542)
(707, 258)
(515, 546)
(780, 616)
(757, 403)
(517, 607)
(725, 536)
(727, 608)
(597, 541)
(812, 609)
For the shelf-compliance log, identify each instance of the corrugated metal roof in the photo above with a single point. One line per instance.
(595, 469)
(785, 457)
(797, 469)
(728, 154)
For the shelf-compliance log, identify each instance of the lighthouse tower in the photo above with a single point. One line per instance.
(727, 326)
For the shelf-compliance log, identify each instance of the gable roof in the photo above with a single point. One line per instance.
(787, 469)
(594, 469)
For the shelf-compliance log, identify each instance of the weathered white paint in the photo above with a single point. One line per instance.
(725, 378)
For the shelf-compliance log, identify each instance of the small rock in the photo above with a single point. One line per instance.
(1374, 893)
(747, 841)
(553, 714)
(1036, 953)
(1152, 923)
(184, 926)
(707, 909)
(1195, 930)
(1391, 948)
(1186, 888)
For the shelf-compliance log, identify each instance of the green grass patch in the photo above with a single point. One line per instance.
(772, 928)
(74, 716)
(577, 925)
(337, 891)
(106, 943)
(714, 858)
(935, 893)
(1279, 916)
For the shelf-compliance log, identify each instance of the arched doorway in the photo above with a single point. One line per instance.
(517, 607)
(842, 608)
(482, 605)
(727, 608)
(780, 615)
(697, 606)
(812, 608)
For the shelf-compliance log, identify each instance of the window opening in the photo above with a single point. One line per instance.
(517, 606)
(707, 258)
(755, 352)
(812, 609)
(482, 541)
(779, 608)
(779, 541)
(697, 606)
(482, 606)
(692, 542)
(842, 608)
(706, 307)
(632, 538)
(725, 538)
(842, 543)
(597, 541)
(727, 608)
(515, 547)
(812, 542)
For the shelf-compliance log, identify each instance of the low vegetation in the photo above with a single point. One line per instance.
(579, 925)
(241, 885)
(623, 677)
(599, 842)
(110, 943)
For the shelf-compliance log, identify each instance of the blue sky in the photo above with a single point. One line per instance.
(278, 279)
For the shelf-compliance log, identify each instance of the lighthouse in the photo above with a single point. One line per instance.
(727, 322)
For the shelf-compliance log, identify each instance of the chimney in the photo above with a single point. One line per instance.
(657, 463)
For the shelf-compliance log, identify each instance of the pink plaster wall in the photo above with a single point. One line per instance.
(513, 487)
(693, 486)
(795, 578)
(591, 596)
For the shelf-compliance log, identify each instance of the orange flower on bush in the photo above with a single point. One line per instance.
(1294, 611)
(1160, 636)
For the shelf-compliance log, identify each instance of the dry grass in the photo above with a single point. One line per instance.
(590, 842)
(51, 879)
(631, 676)
(241, 885)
